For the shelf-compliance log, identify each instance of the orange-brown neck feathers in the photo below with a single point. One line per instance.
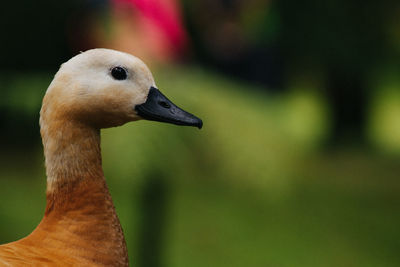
(71, 147)
(79, 211)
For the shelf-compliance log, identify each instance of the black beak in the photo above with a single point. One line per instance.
(159, 108)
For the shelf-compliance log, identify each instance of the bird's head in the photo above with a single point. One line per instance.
(107, 88)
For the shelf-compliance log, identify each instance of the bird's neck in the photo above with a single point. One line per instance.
(72, 152)
(79, 211)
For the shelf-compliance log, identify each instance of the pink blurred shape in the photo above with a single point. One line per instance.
(164, 15)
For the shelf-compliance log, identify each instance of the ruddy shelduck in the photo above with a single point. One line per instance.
(96, 89)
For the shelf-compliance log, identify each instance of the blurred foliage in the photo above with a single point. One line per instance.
(272, 42)
(345, 41)
(249, 189)
(384, 117)
(20, 100)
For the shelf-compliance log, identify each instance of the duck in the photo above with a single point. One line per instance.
(96, 89)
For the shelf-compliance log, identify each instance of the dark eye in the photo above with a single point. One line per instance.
(118, 73)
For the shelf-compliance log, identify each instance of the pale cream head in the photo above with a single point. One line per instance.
(84, 89)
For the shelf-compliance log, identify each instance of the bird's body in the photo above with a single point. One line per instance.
(97, 89)
(75, 231)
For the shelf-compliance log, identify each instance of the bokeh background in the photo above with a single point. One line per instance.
(298, 161)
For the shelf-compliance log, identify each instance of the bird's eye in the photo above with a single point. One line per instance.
(118, 73)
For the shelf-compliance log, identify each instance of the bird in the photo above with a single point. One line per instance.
(96, 89)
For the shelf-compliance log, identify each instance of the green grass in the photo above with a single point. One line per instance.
(249, 189)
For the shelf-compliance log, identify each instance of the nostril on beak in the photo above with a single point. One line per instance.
(164, 104)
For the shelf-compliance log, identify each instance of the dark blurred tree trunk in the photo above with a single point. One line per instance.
(153, 209)
(347, 96)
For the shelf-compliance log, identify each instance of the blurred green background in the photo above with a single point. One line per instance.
(298, 160)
